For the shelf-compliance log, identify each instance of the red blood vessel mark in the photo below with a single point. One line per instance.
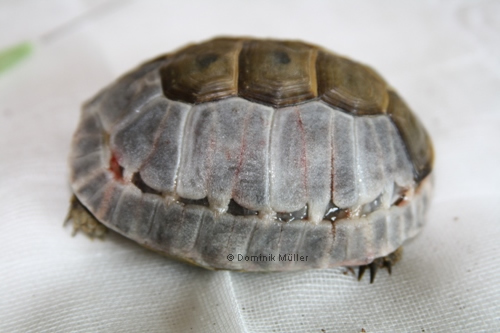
(116, 168)
(303, 151)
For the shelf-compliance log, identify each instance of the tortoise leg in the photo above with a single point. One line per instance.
(83, 220)
(383, 262)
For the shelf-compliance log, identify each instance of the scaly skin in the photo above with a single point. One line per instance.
(84, 221)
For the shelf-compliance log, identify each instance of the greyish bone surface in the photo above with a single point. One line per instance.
(254, 148)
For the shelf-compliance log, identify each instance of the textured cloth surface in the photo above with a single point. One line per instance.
(442, 57)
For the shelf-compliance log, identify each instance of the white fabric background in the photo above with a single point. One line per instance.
(443, 57)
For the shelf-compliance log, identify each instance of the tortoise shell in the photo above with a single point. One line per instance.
(255, 149)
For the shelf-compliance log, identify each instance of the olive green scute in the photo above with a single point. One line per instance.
(203, 72)
(271, 72)
(350, 86)
(277, 73)
(415, 137)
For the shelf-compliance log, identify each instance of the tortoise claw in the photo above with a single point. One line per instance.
(373, 271)
(388, 265)
(361, 272)
(383, 262)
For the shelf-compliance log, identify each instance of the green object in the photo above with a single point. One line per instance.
(12, 55)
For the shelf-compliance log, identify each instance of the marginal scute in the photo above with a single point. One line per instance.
(160, 168)
(277, 73)
(203, 72)
(350, 86)
(141, 185)
(370, 160)
(225, 154)
(415, 137)
(301, 162)
(133, 141)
